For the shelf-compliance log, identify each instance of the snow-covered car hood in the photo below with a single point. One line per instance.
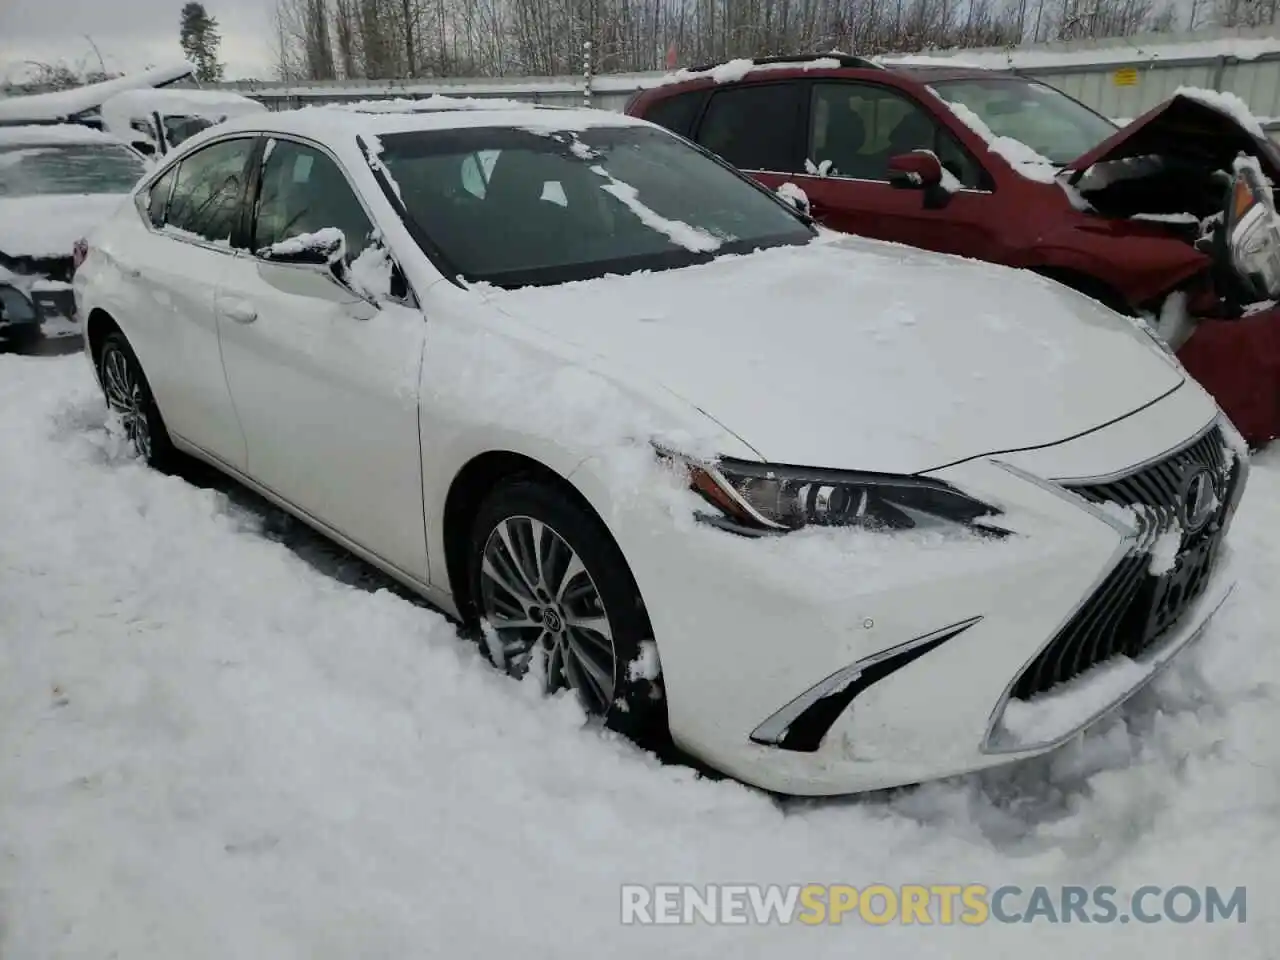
(862, 355)
(49, 226)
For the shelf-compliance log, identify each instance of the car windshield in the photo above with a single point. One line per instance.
(517, 208)
(178, 129)
(33, 169)
(1050, 123)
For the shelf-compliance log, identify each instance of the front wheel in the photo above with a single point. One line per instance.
(129, 397)
(553, 591)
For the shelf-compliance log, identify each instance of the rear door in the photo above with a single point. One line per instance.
(326, 383)
(172, 267)
(854, 128)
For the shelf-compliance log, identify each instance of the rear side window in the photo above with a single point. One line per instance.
(677, 113)
(303, 191)
(206, 199)
(754, 126)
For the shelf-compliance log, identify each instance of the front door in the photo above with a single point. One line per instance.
(326, 383)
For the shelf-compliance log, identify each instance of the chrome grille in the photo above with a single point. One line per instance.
(1134, 608)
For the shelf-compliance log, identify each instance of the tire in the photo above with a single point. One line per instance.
(128, 394)
(552, 627)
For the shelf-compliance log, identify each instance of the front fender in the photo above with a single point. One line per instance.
(1140, 261)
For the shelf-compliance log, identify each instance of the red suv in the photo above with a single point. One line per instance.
(1006, 169)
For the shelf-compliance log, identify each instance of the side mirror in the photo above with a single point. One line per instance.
(324, 248)
(793, 195)
(917, 170)
(145, 147)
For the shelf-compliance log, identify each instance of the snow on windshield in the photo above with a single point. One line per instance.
(60, 168)
(1050, 126)
(1017, 154)
(516, 207)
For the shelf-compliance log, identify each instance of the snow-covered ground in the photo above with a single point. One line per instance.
(211, 746)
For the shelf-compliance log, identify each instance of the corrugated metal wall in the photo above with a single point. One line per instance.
(1120, 78)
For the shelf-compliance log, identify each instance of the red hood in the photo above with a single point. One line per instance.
(1188, 128)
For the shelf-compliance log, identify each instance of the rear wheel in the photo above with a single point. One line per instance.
(129, 397)
(553, 592)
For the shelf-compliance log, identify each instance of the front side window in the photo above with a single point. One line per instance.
(516, 208)
(206, 198)
(1046, 120)
(854, 128)
(44, 169)
(753, 126)
(303, 191)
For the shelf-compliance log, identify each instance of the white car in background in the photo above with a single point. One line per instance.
(57, 182)
(835, 514)
(154, 122)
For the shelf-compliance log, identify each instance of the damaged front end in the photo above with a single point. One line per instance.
(1199, 168)
(35, 296)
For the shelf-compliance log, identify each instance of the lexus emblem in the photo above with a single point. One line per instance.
(1199, 499)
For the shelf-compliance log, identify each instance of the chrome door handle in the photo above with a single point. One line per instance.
(240, 312)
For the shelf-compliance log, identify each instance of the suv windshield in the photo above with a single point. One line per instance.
(517, 208)
(67, 168)
(1050, 123)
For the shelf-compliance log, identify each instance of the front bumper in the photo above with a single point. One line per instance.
(1238, 361)
(37, 306)
(748, 629)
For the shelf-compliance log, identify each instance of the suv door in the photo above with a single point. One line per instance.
(326, 382)
(173, 267)
(854, 127)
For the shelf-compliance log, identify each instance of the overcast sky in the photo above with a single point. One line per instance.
(130, 33)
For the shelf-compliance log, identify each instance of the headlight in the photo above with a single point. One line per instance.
(756, 498)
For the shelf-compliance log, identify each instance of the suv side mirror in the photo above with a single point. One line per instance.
(918, 170)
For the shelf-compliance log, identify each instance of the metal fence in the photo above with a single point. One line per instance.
(1120, 78)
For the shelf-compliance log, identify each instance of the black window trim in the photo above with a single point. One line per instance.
(144, 190)
(985, 174)
(249, 206)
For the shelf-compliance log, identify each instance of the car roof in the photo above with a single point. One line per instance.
(45, 134)
(918, 68)
(925, 73)
(377, 117)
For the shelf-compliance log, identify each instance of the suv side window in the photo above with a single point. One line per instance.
(304, 191)
(677, 113)
(854, 128)
(206, 198)
(754, 126)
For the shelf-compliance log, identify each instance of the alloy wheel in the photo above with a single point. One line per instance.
(127, 397)
(541, 601)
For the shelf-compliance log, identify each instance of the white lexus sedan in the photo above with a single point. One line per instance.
(831, 514)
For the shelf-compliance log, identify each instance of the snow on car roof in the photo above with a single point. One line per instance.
(174, 100)
(52, 133)
(375, 118)
(65, 103)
